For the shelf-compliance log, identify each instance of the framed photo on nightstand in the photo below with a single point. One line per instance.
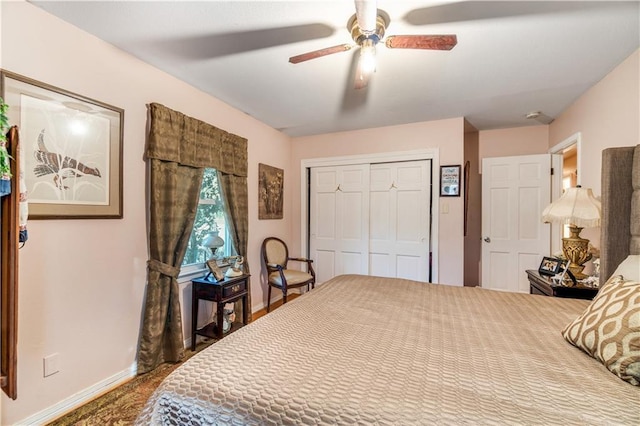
(218, 275)
(550, 266)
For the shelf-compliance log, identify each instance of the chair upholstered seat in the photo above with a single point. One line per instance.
(276, 256)
(292, 277)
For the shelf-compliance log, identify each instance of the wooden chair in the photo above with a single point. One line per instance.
(276, 256)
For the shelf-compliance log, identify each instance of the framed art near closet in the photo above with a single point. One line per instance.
(450, 181)
(73, 150)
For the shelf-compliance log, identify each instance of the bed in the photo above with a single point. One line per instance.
(371, 350)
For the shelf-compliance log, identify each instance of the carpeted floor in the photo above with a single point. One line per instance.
(122, 405)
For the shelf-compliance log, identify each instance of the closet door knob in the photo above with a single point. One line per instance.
(487, 239)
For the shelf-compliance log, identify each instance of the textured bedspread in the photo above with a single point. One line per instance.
(368, 350)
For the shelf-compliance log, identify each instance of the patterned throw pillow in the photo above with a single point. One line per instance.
(609, 329)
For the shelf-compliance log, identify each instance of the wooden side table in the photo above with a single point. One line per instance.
(221, 292)
(541, 284)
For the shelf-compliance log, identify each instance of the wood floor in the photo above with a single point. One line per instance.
(274, 305)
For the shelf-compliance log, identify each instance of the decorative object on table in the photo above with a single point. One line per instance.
(579, 209)
(550, 266)
(214, 270)
(72, 147)
(236, 269)
(228, 317)
(596, 268)
(213, 241)
(270, 186)
(450, 181)
(565, 276)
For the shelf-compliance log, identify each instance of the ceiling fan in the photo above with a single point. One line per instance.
(367, 27)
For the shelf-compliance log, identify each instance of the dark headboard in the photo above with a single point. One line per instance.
(620, 229)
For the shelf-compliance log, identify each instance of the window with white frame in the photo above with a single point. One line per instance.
(210, 218)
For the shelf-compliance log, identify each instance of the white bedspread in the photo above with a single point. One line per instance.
(368, 350)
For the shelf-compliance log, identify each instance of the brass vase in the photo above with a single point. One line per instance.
(576, 250)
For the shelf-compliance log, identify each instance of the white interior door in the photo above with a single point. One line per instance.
(515, 190)
(339, 225)
(399, 220)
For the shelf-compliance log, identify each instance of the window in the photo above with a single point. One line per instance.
(210, 218)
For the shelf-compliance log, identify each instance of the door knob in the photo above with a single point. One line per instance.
(487, 239)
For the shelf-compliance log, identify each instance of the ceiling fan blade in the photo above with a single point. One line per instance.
(319, 53)
(366, 14)
(433, 42)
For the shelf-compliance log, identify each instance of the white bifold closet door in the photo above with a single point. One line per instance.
(371, 219)
(399, 220)
(339, 220)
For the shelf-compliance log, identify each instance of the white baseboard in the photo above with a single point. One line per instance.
(80, 398)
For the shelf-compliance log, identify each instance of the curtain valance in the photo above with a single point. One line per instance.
(191, 142)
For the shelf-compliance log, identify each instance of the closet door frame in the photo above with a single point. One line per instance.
(382, 157)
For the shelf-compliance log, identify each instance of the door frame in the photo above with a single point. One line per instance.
(556, 181)
(382, 157)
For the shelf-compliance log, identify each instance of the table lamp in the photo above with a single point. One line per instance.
(579, 209)
(213, 241)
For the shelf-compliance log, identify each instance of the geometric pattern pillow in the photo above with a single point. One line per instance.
(609, 329)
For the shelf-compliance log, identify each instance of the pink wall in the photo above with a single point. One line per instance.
(607, 115)
(516, 141)
(445, 135)
(84, 300)
(81, 297)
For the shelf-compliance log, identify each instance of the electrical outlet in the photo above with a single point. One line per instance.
(50, 364)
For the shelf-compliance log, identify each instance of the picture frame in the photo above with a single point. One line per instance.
(550, 266)
(72, 146)
(270, 188)
(450, 181)
(215, 270)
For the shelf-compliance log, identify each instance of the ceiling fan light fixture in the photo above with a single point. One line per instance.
(368, 56)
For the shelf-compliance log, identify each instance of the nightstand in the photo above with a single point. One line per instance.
(221, 292)
(541, 284)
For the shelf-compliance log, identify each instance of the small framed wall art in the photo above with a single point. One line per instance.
(450, 181)
(270, 185)
(72, 147)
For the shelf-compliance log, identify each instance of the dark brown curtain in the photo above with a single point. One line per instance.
(179, 148)
(236, 201)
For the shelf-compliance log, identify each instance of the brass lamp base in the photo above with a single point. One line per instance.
(576, 250)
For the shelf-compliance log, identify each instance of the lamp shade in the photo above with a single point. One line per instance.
(577, 206)
(213, 241)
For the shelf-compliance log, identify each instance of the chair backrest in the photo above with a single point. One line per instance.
(274, 251)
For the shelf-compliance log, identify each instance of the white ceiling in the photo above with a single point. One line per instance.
(512, 57)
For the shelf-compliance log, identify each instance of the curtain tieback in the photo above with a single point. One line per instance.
(163, 268)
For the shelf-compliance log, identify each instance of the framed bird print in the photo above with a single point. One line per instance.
(72, 146)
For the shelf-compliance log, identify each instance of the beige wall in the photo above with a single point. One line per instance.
(82, 297)
(82, 281)
(516, 141)
(444, 135)
(607, 115)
